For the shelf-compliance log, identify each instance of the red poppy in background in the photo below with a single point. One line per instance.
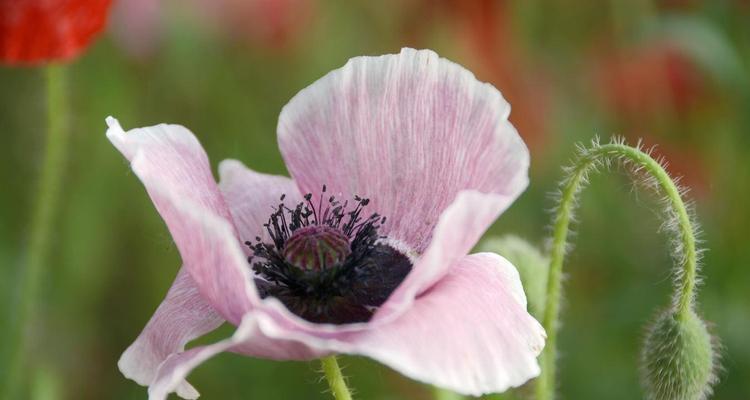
(38, 31)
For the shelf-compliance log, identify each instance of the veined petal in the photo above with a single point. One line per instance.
(248, 339)
(175, 171)
(409, 131)
(173, 371)
(171, 159)
(211, 253)
(251, 197)
(459, 228)
(181, 317)
(469, 333)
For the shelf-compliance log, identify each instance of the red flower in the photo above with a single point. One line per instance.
(38, 31)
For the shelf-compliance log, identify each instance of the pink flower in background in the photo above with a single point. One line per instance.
(138, 26)
(304, 267)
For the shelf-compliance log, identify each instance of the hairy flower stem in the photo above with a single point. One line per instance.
(335, 378)
(576, 178)
(44, 212)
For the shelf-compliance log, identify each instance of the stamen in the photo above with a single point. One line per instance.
(332, 267)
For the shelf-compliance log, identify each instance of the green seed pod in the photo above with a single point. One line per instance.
(532, 266)
(678, 358)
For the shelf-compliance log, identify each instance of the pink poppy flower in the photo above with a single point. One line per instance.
(304, 268)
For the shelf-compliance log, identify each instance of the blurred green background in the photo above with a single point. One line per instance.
(674, 73)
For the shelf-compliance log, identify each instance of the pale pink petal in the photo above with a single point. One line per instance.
(211, 253)
(469, 333)
(175, 171)
(173, 371)
(171, 159)
(459, 228)
(409, 131)
(248, 339)
(181, 317)
(252, 196)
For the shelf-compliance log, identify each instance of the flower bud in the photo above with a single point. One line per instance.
(678, 359)
(532, 266)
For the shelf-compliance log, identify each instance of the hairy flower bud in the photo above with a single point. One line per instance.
(678, 358)
(532, 266)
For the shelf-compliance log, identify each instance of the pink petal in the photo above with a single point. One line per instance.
(248, 339)
(175, 171)
(175, 369)
(251, 195)
(171, 159)
(469, 333)
(459, 228)
(212, 254)
(181, 317)
(409, 131)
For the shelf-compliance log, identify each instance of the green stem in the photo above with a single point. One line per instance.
(574, 182)
(335, 378)
(44, 213)
(443, 394)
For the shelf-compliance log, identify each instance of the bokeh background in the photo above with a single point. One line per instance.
(675, 73)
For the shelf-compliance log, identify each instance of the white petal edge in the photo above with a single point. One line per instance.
(180, 318)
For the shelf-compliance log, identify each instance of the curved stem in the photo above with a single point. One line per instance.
(335, 378)
(44, 212)
(574, 182)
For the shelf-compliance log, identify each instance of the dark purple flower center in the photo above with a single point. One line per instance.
(326, 262)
